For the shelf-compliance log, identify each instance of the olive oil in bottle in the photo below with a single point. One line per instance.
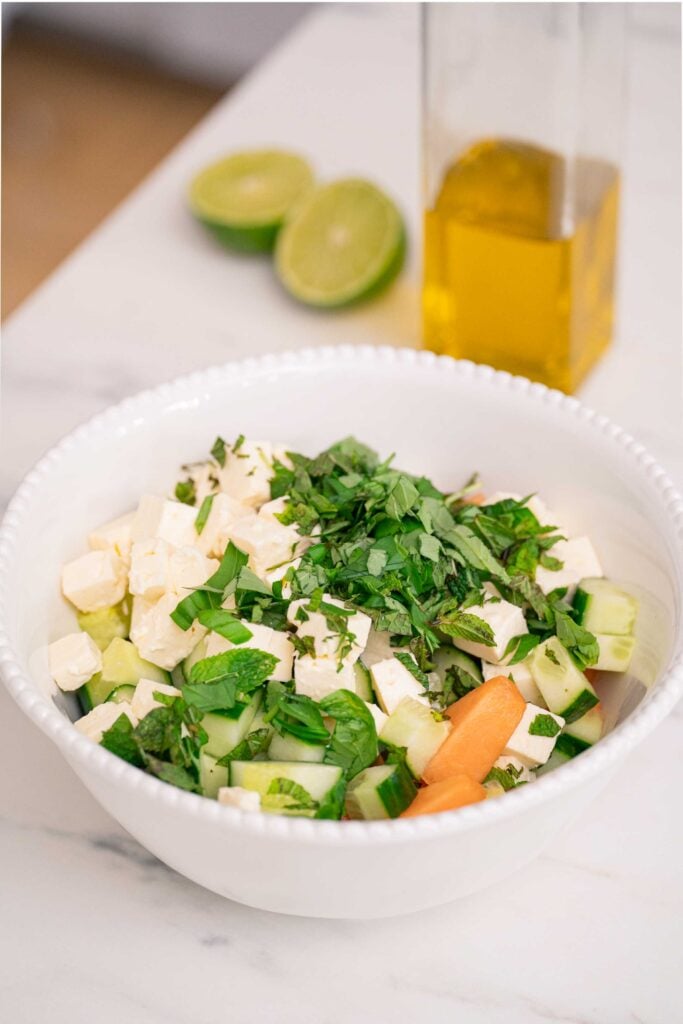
(519, 261)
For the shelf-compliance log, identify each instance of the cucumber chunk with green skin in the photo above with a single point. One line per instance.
(225, 729)
(414, 726)
(106, 624)
(382, 791)
(564, 687)
(556, 759)
(581, 734)
(211, 775)
(602, 607)
(122, 693)
(363, 682)
(291, 748)
(121, 666)
(615, 652)
(323, 783)
(447, 657)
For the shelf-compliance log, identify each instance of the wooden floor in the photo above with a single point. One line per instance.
(79, 131)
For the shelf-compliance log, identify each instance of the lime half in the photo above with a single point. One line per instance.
(342, 243)
(244, 199)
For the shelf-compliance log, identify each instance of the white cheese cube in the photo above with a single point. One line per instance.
(378, 647)
(96, 580)
(392, 682)
(73, 660)
(326, 641)
(217, 532)
(149, 570)
(521, 676)
(378, 715)
(318, 677)
(242, 799)
(505, 619)
(189, 568)
(278, 573)
(247, 472)
(266, 541)
(144, 700)
(206, 480)
(516, 768)
(525, 744)
(115, 534)
(263, 638)
(160, 517)
(102, 717)
(156, 635)
(580, 560)
(272, 509)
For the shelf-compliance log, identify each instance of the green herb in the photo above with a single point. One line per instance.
(544, 725)
(507, 777)
(218, 451)
(287, 795)
(303, 645)
(185, 491)
(474, 552)
(466, 627)
(120, 739)
(253, 744)
(520, 647)
(581, 644)
(212, 593)
(377, 559)
(225, 624)
(295, 714)
(174, 774)
(409, 662)
(238, 443)
(204, 512)
(353, 745)
(219, 682)
(551, 656)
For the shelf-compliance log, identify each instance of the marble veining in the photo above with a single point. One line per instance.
(92, 926)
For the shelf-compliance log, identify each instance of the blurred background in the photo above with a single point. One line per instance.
(94, 95)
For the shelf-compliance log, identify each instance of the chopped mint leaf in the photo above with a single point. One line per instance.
(287, 795)
(475, 553)
(225, 624)
(466, 627)
(581, 644)
(507, 777)
(219, 682)
(544, 725)
(203, 514)
(520, 647)
(238, 443)
(254, 743)
(551, 656)
(294, 713)
(120, 739)
(353, 745)
(218, 451)
(401, 498)
(430, 547)
(185, 491)
(409, 662)
(174, 774)
(303, 645)
(377, 559)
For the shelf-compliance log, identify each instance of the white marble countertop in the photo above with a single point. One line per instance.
(94, 928)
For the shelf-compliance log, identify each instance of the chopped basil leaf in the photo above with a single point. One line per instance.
(185, 491)
(353, 745)
(520, 647)
(219, 682)
(225, 624)
(253, 744)
(204, 512)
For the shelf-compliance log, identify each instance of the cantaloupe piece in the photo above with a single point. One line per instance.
(446, 795)
(591, 674)
(483, 721)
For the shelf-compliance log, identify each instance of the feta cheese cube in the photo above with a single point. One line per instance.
(263, 638)
(115, 534)
(326, 641)
(156, 635)
(505, 619)
(247, 472)
(580, 560)
(217, 532)
(96, 580)
(242, 799)
(188, 568)
(149, 570)
(318, 677)
(272, 509)
(278, 573)
(102, 717)
(378, 647)
(392, 682)
(206, 479)
(160, 517)
(144, 700)
(526, 744)
(73, 660)
(516, 768)
(267, 542)
(378, 715)
(521, 676)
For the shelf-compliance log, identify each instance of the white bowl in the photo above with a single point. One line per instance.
(443, 418)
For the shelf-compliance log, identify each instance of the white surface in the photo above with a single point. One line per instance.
(148, 297)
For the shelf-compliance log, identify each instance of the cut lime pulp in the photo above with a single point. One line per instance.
(245, 198)
(343, 242)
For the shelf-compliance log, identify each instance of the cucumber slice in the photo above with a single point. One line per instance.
(211, 775)
(450, 657)
(413, 726)
(225, 729)
(291, 748)
(323, 782)
(604, 608)
(198, 654)
(557, 758)
(121, 693)
(121, 666)
(106, 624)
(259, 722)
(363, 682)
(564, 687)
(589, 728)
(382, 791)
(615, 652)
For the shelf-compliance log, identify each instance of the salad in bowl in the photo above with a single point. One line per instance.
(330, 637)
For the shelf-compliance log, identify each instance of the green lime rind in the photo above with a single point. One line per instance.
(343, 244)
(244, 199)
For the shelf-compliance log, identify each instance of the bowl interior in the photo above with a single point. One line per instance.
(438, 419)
